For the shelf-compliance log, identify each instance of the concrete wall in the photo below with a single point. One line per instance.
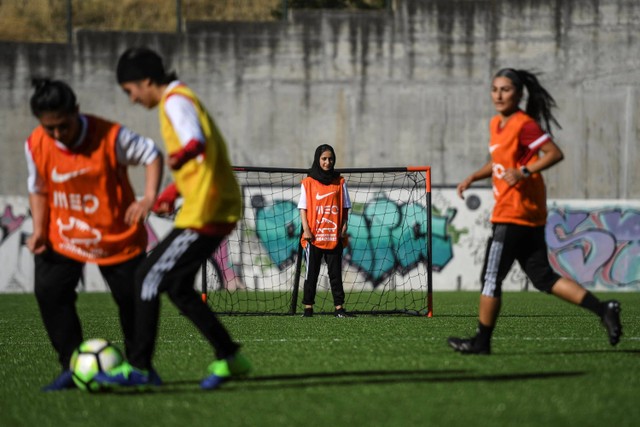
(386, 89)
(409, 87)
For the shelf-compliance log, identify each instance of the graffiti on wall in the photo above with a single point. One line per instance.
(20, 279)
(597, 246)
(385, 236)
(9, 223)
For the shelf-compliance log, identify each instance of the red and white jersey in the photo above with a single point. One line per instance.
(517, 144)
(88, 190)
(324, 205)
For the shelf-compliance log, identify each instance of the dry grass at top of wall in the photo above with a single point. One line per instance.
(46, 20)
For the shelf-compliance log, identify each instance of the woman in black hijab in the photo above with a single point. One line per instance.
(324, 211)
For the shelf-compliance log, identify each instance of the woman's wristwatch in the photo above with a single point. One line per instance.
(525, 172)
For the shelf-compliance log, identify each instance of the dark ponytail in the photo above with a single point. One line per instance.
(539, 101)
(52, 95)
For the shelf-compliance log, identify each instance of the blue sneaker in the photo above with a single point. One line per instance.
(64, 381)
(225, 370)
(126, 375)
(154, 378)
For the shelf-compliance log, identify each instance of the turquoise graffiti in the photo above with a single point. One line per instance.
(384, 236)
(278, 227)
(596, 246)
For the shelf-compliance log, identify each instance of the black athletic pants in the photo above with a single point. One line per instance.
(56, 279)
(171, 267)
(333, 257)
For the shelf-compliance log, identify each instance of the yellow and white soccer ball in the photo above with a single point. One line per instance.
(93, 356)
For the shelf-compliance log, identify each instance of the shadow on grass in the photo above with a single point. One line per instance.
(354, 378)
(517, 315)
(572, 352)
(391, 377)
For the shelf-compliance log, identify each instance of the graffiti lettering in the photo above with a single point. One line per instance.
(596, 246)
(386, 237)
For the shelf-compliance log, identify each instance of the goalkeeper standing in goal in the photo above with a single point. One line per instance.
(520, 211)
(324, 211)
(203, 176)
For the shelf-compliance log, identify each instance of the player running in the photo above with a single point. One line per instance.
(520, 212)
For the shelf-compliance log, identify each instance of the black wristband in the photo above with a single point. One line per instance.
(525, 172)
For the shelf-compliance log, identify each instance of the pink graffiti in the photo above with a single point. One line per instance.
(152, 237)
(599, 246)
(9, 222)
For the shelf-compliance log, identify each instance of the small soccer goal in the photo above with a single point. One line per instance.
(387, 264)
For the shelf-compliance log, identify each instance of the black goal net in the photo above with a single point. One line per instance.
(386, 267)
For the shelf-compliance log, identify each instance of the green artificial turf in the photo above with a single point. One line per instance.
(551, 366)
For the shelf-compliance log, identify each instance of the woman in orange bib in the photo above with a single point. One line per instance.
(84, 210)
(520, 212)
(324, 210)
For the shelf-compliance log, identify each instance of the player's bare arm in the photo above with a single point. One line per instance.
(482, 173)
(139, 209)
(306, 231)
(37, 242)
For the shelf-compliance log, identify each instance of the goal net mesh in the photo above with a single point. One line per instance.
(260, 268)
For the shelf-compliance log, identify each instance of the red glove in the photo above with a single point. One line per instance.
(190, 151)
(166, 201)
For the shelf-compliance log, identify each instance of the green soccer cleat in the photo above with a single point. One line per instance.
(224, 370)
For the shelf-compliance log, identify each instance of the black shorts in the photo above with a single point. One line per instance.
(510, 242)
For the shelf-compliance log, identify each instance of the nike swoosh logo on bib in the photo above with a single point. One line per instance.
(322, 196)
(64, 177)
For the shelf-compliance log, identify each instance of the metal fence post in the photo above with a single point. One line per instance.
(69, 21)
(179, 16)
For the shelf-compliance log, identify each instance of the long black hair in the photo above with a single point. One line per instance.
(52, 95)
(139, 63)
(539, 102)
(319, 174)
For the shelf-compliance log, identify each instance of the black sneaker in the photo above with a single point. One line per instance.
(467, 346)
(611, 321)
(342, 313)
(308, 312)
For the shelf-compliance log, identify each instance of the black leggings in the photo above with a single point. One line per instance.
(333, 257)
(56, 279)
(171, 267)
